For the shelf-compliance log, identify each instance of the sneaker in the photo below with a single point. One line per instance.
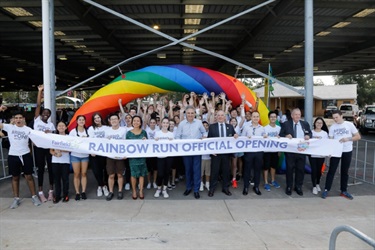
(65, 199)
(148, 186)
(155, 186)
(234, 183)
(201, 187)
(105, 190)
(275, 184)
(346, 195)
(42, 197)
(78, 197)
(207, 185)
(127, 186)
(50, 195)
(324, 194)
(83, 196)
(173, 185)
(318, 188)
(36, 200)
(315, 190)
(99, 192)
(16, 202)
(176, 180)
(157, 193)
(252, 182)
(267, 187)
(165, 194)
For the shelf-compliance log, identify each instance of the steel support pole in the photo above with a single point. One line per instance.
(309, 61)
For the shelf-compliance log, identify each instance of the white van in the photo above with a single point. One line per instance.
(348, 111)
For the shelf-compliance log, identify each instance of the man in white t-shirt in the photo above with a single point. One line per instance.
(346, 132)
(19, 158)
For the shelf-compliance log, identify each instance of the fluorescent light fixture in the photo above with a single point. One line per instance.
(156, 27)
(195, 21)
(71, 40)
(11, 82)
(18, 11)
(192, 38)
(161, 55)
(37, 24)
(80, 46)
(3, 78)
(91, 68)
(297, 46)
(288, 50)
(111, 76)
(316, 68)
(341, 25)
(190, 31)
(2, 86)
(194, 8)
(258, 56)
(59, 33)
(20, 70)
(323, 33)
(88, 51)
(187, 50)
(62, 57)
(364, 13)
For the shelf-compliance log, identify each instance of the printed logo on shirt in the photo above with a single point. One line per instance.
(19, 135)
(99, 134)
(341, 131)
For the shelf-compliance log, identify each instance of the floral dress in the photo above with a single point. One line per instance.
(138, 166)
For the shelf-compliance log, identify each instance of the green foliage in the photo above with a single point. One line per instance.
(365, 88)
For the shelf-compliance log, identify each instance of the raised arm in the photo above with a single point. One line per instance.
(38, 101)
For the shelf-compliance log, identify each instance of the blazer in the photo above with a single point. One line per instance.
(287, 128)
(213, 130)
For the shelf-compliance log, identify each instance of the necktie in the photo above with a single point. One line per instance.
(221, 130)
(295, 130)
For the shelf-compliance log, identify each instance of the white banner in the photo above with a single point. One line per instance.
(162, 148)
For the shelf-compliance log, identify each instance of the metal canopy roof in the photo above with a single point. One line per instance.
(90, 37)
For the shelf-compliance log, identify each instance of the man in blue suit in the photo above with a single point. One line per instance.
(295, 128)
(220, 161)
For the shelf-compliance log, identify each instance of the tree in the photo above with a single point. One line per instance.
(365, 87)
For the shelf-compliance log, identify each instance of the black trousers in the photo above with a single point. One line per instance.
(295, 163)
(346, 159)
(98, 164)
(252, 160)
(43, 156)
(316, 169)
(220, 162)
(164, 167)
(61, 175)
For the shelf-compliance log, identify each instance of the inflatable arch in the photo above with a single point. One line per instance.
(163, 79)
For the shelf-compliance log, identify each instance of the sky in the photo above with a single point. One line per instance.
(327, 80)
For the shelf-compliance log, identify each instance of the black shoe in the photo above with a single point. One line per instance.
(298, 191)
(288, 191)
(245, 191)
(227, 192)
(110, 196)
(257, 191)
(83, 195)
(120, 195)
(78, 197)
(197, 195)
(65, 199)
(56, 200)
(187, 192)
(210, 194)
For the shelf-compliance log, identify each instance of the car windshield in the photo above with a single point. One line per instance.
(346, 108)
(370, 110)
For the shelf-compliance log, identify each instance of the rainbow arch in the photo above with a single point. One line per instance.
(163, 79)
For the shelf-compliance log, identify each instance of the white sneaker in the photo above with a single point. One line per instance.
(202, 187)
(148, 186)
(315, 191)
(99, 192)
(157, 193)
(16, 202)
(155, 186)
(50, 195)
(208, 186)
(165, 194)
(318, 188)
(127, 186)
(42, 197)
(36, 200)
(105, 191)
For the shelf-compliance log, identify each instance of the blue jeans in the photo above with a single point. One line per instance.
(192, 171)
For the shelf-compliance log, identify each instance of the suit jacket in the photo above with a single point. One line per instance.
(213, 130)
(287, 128)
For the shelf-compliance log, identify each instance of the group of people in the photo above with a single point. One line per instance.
(193, 117)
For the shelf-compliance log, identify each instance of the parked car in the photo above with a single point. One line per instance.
(328, 111)
(367, 120)
(349, 111)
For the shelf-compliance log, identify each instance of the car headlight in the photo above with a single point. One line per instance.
(368, 121)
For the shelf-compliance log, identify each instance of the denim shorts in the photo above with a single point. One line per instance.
(78, 159)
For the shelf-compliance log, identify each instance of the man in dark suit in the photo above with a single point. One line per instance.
(295, 128)
(220, 161)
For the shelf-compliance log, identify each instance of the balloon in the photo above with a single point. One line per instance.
(163, 79)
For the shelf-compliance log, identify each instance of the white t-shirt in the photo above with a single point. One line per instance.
(164, 136)
(319, 135)
(97, 132)
(151, 133)
(18, 138)
(345, 129)
(272, 131)
(115, 134)
(64, 158)
(39, 125)
(75, 132)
